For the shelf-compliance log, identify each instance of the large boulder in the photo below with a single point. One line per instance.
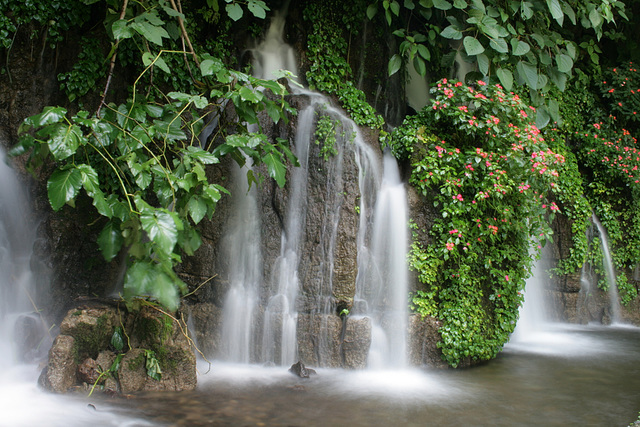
(85, 350)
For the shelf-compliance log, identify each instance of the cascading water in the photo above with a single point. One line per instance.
(18, 301)
(275, 340)
(533, 313)
(614, 301)
(242, 244)
(384, 275)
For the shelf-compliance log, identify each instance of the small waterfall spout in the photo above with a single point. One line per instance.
(533, 313)
(383, 276)
(614, 301)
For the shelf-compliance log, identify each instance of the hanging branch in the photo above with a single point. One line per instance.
(113, 62)
(185, 36)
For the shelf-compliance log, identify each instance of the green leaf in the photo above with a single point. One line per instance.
(395, 7)
(210, 66)
(542, 117)
(275, 167)
(202, 155)
(505, 77)
(472, 46)
(451, 32)
(394, 64)
(424, 52)
(529, 73)
(121, 30)
(556, 11)
(258, 8)
(372, 9)
(63, 187)
(460, 4)
(483, 63)
(150, 32)
(234, 11)
(442, 4)
(146, 278)
(161, 228)
(117, 341)
(499, 45)
(519, 47)
(110, 241)
(565, 63)
(197, 208)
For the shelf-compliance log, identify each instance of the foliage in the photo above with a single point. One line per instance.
(484, 164)
(514, 43)
(141, 161)
(55, 17)
(87, 71)
(330, 71)
(325, 135)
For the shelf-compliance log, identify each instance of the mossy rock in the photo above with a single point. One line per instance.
(91, 327)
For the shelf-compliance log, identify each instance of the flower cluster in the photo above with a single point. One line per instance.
(477, 153)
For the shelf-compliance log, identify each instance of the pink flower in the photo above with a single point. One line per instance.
(450, 246)
(506, 277)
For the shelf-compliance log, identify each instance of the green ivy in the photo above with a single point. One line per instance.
(478, 158)
(325, 135)
(330, 71)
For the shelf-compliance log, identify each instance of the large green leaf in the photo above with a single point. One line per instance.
(234, 11)
(202, 155)
(121, 29)
(565, 63)
(499, 45)
(505, 77)
(146, 278)
(472, 46)
(394, 64)
(442, 4)
(529, 73)
(153, 33)
(197, 208)
(275, 167)
(65, 141)
(483, 64)
(451, 32)
(556, 11)
(161, 228)
(519, 47)
(63, 187)
(110, 241)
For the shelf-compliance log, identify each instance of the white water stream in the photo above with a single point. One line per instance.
(614, 301)
(381, 249)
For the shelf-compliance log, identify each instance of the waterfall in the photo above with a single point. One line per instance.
(261, 319)
(21, 329)
(533, 313)
(242, 246)
(383, 274)
(614, 301)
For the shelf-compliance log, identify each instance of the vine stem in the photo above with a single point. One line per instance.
(185, 35)
(123, 12)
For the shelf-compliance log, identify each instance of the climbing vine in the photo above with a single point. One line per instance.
(477, 155)
(142, 161)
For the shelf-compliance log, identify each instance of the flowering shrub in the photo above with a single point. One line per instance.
(477, 154)
(621, 89)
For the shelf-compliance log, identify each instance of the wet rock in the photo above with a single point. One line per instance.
(356, 343)
(88, 371)
(92, 327)
(60, 373)
(319, 339)
(423, 342)
(302, 371)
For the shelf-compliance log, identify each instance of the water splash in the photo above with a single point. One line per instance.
(614, 301)
(534, 317)
(384, 282)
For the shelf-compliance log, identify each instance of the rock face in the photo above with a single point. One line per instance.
(87, 347)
